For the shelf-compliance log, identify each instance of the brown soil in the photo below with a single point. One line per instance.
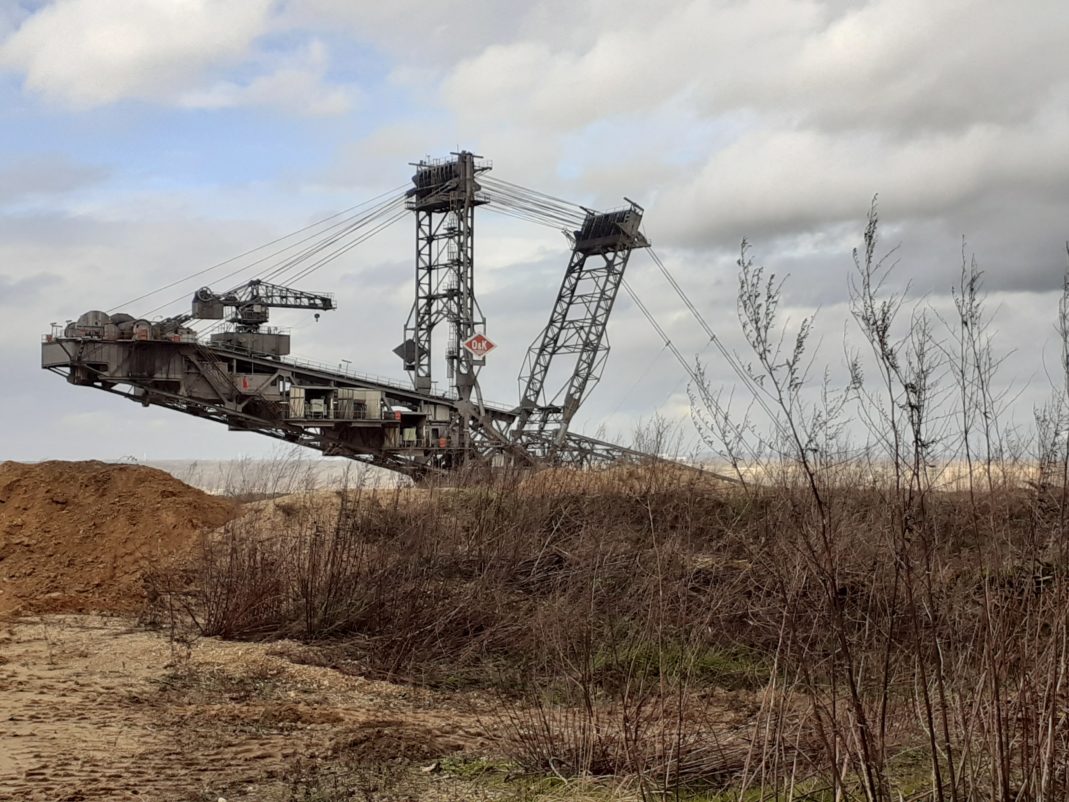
(77, 536)
(94, 708)
(99, 708)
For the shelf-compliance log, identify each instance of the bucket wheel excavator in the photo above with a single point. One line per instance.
(223, 362)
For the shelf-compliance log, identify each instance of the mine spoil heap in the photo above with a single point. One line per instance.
(78, 536)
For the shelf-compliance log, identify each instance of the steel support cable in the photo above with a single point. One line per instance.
(529, 191)
(572, 221)
(657, 327)
(534, 207)
(516, 189)
(382, 226)
(346, 227)
(523, 205)
(738, 369)
(678, 385)
(507, 212)
(679, 357)
(535, 200)
(542, 220)
(219, 325)
(566, 208)
(318, 236)
(275, 241)
(389, 212)
(278, 271)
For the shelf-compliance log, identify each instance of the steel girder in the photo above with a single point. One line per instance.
(577, 326)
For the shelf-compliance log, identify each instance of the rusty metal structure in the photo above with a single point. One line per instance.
(239, 372)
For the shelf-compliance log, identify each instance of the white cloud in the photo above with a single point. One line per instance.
(415, 31)
(780, 120)
(34, 177)
(632, 61)
(85, 53)
(298, 84)
(774, 119)
(891, 64)
(911, 64)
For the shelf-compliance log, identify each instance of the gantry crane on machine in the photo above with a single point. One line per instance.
(241, 374)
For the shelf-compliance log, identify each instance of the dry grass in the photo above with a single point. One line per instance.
(888, 620)
(684, 635)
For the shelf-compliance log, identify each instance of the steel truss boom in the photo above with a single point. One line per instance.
(576, 327)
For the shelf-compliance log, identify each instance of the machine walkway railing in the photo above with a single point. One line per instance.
(336, 369)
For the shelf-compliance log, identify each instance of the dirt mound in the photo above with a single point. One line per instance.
(77, 536)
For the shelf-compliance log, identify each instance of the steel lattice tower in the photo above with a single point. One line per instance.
(444, 199)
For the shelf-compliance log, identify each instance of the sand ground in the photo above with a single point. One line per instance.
(95, 708)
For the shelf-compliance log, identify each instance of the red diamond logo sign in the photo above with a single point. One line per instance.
(480, 345)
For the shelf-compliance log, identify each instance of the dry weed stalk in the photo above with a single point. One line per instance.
(890, 626)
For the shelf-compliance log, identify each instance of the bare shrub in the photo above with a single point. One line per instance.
(889, 618)
(918, 579)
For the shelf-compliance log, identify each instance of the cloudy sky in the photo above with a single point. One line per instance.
(146, 139)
